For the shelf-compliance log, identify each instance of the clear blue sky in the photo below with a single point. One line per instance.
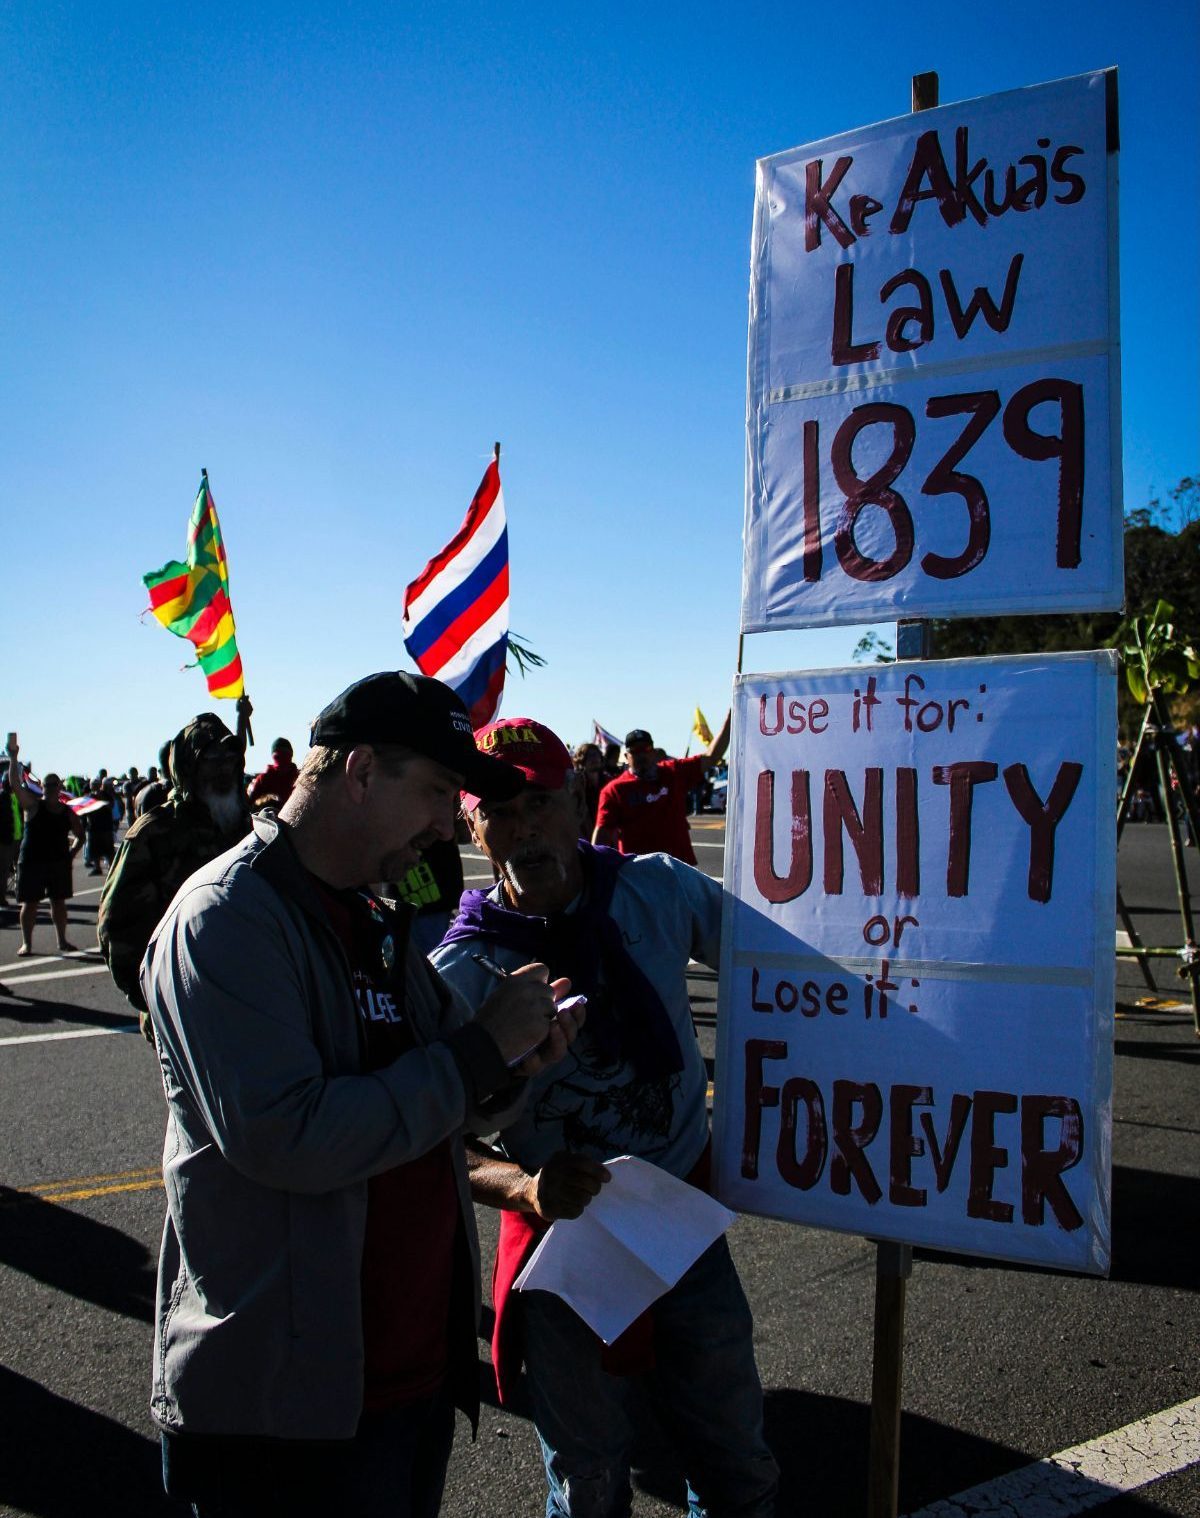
(332, 252)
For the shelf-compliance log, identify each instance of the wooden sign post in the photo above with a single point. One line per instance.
(915, 1030)
(893, 1262)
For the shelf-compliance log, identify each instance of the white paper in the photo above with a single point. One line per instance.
(628, 1248)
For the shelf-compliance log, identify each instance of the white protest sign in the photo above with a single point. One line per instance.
(933, 423)
(916, 1004)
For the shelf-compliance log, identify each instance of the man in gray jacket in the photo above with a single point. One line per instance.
(318, 1281)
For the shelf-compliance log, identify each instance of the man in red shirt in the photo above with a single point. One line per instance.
(644, 811)
(274, 785)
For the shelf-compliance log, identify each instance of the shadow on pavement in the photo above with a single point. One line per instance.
(1187, 1054)
(76, 1254)
(62, 1460)
(821, 1444)
(1146, 1208)
(19, 1008)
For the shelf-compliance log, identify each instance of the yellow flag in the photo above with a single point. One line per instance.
(701, 728)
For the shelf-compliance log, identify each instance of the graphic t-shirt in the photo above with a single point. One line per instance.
(412, 1210)
(435, 882)
(650, 816)
(590, 1103)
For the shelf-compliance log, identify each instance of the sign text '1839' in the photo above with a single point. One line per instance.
(878, 489)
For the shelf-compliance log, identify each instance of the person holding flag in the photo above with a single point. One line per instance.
(53, 836)
(644, 811)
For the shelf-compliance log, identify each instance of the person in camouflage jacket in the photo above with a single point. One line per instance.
(204, 814)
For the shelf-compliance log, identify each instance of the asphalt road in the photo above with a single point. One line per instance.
(1004, 1365)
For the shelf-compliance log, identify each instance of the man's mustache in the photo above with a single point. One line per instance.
(530, 854)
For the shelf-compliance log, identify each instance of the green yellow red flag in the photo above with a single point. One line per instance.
(701, 728)
(192, 599)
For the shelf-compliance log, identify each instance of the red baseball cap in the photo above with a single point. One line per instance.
(531, 749)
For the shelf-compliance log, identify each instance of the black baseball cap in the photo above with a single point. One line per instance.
(418, 713)
(639, 738)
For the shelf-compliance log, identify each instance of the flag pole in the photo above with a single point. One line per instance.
(245, 733)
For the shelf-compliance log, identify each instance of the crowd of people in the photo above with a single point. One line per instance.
(354, 1050)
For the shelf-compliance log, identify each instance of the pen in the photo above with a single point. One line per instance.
(490, 966)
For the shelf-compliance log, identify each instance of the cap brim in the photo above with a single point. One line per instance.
(487, 779)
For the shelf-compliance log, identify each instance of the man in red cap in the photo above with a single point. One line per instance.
(623, 928)
(645, 810)
(319, 1273)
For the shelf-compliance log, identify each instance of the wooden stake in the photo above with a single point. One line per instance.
(893, 1266)
(893, 1262)
(924, 92)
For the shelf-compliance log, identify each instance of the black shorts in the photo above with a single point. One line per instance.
(43, 877)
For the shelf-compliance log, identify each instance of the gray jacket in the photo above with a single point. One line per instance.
(273, 1130)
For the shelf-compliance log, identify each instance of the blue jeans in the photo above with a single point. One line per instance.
(394, 1467)
(704, 1386)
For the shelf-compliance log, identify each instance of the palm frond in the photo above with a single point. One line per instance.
(523, 656)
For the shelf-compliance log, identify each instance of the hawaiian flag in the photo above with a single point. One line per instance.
(456, 610)
(82, 806)
(192, 600)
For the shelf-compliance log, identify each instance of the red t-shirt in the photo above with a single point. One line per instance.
(412, 1210)
(273, 786)
(650, 816)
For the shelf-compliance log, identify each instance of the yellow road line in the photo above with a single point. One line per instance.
(95, 1180)
(79, 1196)
(52, 1191)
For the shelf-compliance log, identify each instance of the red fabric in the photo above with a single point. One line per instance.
(274, 785)
(407, 1280)
(412, 1209)
(520, 1234)
(481, 504)
(650, 816)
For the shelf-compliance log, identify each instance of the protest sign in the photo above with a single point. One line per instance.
(933, 390)
(916, 1001)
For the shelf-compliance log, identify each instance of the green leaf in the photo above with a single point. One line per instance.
(523, 655)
